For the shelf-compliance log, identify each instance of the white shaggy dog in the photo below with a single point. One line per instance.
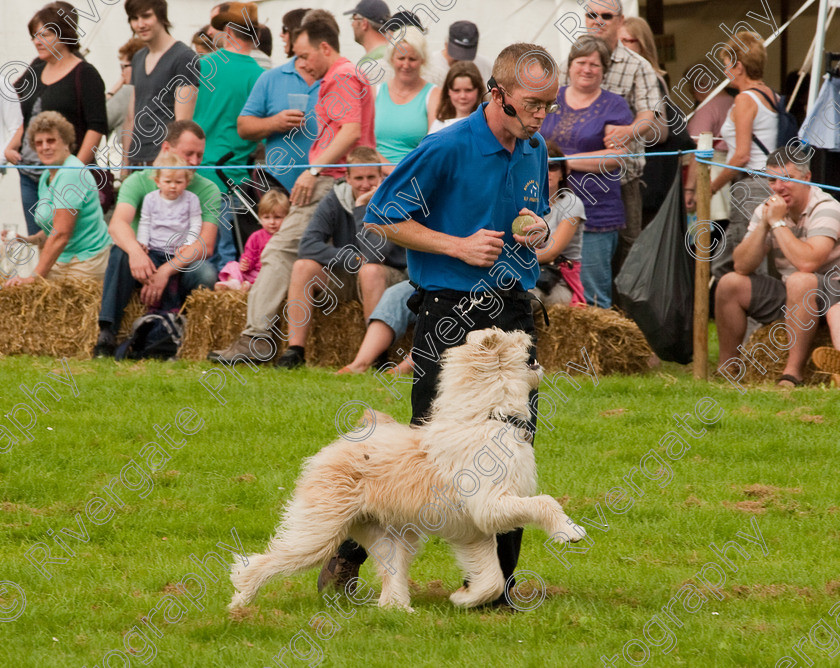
(391, 482)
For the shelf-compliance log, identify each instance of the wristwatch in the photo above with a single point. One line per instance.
(314, 171)
(778, 224)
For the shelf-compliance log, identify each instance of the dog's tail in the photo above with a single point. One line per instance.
(310, 534)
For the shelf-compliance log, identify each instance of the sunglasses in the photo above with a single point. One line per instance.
(606, 16)
(285, 30)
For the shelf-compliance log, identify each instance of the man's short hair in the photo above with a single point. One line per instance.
(176, 128)
(362, 155)
(320, 15)
(512, 66)
(789, 155)
(604, 5)
(319, 30)
(133, 8)
(586, 45)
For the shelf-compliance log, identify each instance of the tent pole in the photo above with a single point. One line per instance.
(702, 270)
(817, 62)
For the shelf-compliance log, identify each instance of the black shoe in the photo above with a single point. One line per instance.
(338, 572)
(106, 344)
(291, 359)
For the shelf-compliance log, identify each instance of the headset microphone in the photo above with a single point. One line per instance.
(510, 110)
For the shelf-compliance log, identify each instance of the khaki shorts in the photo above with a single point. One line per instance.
(91, 268)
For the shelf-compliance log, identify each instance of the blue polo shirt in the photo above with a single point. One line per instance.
(270, 96)
(460, 180)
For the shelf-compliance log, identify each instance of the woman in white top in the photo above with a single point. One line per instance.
(462, 94)
(751, 117)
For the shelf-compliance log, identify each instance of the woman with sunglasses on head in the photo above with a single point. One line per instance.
(586, 113)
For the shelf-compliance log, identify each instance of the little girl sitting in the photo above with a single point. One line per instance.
(273, 208)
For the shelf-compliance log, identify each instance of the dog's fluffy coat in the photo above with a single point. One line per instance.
(391, 479)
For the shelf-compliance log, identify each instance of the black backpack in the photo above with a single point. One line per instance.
(153, 336)
(788, 127)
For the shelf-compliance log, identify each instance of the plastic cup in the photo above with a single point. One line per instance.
(298, 101)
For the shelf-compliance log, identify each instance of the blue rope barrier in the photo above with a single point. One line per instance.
(307, 165)
(753, 172)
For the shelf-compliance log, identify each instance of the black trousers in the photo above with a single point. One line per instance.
(444, 320)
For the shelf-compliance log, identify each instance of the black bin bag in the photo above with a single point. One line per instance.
(655, 287)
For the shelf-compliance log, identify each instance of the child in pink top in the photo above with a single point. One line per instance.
(274, 206)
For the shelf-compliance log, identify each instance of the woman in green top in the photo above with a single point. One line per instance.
(74, 234)
(406, 104)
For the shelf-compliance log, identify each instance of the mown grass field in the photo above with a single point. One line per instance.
(770, 460)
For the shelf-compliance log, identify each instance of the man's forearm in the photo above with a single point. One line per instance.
(415, 236)
(750, 252)
(252, 128)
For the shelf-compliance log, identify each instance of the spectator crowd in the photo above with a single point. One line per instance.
(298, 230)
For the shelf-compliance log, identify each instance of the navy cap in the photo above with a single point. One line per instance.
(373, 10)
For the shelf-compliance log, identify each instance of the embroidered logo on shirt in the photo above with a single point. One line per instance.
(532, 191)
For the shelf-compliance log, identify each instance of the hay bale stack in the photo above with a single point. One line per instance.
(810, 376)
(54, 318)
(613, 343)
(214, 321)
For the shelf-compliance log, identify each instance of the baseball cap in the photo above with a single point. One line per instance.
(463, 40)
(373, 10)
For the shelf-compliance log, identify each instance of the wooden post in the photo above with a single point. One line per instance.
(703, 198)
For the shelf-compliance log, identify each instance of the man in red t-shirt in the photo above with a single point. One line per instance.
(342, 119)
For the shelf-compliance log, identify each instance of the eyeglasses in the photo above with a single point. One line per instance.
(285, 30)
(534, 107)
(356, 17)
(606, 16)
(124, 65)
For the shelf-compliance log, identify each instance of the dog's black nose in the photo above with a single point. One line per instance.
(535, 366)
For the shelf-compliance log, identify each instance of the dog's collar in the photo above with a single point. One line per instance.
(517, 422)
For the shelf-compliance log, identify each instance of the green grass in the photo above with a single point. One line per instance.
(772, 456)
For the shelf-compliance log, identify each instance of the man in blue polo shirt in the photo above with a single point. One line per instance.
(269, 114)
(451, 203)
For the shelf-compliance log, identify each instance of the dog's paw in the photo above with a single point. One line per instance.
(237, 602)
(464, 598)
(571, 533)
(393, 604)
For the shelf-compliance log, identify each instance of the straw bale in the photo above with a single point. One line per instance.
(214, 321)
(613, 343)
(54, 318)
(811, 375)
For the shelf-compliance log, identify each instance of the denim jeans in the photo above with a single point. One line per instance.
(596, 267)
(120, 284)
(226, 250)
(29, 198)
